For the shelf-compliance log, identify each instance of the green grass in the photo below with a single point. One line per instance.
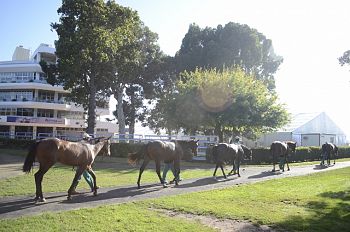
(124, 217)
(59, 179)
(318, 202)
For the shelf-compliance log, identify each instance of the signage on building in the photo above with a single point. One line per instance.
(35, 120)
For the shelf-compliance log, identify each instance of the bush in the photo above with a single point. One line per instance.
(8, 143)
(123, 149)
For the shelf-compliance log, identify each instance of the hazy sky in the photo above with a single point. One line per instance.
(310, 36)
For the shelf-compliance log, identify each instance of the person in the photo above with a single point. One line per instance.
(88, 178)
(168, 166)
(237, 140)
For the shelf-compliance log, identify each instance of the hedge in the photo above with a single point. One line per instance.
(117, 149)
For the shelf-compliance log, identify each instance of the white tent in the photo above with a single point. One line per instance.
(307, 129)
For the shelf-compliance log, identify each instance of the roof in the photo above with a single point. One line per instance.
(306, 123)
(300, 119)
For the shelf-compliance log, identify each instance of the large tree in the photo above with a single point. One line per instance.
(136, 70)
(228, 101)
(224, 46)
(89, 34)
(345, 58)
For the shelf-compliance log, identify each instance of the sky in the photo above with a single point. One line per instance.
(309, 35)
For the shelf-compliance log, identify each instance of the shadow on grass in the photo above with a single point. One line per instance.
(325, 215)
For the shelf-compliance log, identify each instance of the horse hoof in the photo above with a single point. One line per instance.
(95, 193)
(165, 186)
(69, 197)
(138, 187)
(40, 200)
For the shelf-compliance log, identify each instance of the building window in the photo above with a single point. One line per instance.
(8, 111)
(5, 96)
(16, 76)
(70, 115)
(45, 113)
(24, 95)
(46, 96)
(25, 112)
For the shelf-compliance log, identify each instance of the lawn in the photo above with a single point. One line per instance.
(318, 202)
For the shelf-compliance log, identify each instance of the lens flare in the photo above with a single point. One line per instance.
(215, 98)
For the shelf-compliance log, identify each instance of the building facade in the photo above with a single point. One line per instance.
(307, 129)
(30, 108)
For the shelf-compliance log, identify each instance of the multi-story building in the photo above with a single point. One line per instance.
(30, 108)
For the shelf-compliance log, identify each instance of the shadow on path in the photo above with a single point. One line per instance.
(265, 174)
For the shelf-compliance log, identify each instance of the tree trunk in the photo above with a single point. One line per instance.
(132, 118)
(219, 132)
(91, 120)
(120, 111)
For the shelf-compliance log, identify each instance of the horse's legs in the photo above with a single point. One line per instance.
(38, 180)
(287, 163)
(237, 167)
(273, 162)
(75, 181)
(177, 171)
(216, 168)
(158, 170)
(142, 168)
(222, 169)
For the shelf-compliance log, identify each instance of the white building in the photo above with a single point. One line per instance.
(30, 108)
(307, 129)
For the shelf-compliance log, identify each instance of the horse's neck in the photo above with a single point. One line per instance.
(97, 148)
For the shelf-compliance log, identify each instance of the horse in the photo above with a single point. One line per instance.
(281, 149)
(162, 151)
(327, 150)
(224, 153)
(49, 151)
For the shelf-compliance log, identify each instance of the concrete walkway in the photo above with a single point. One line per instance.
(12, 207)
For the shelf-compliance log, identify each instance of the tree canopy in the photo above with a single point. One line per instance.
(225, 46)
(89, 35)
(228, 101)
(345, 58)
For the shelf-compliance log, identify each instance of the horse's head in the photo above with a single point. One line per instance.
(193, 145)
(106, 149)
(291, 145)
(247, 152)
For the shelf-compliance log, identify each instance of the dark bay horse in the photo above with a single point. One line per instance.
(49, 151)
(328, 150)
(224, 153)
(281, 150)
(163, 151)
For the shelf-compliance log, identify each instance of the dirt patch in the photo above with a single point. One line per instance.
(218, 224)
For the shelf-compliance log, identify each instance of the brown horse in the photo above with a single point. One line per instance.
(49, 151)
(224, 153)
(162, 151)
(281, 149)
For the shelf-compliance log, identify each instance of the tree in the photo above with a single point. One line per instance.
(135, 74)
(345, 58)
(224, 101)
(89, 34)
(233, 44)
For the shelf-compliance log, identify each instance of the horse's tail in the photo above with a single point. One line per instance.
(134, 158)
(30, 159)
(215, 153)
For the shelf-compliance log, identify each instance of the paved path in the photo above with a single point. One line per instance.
(12, 207)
